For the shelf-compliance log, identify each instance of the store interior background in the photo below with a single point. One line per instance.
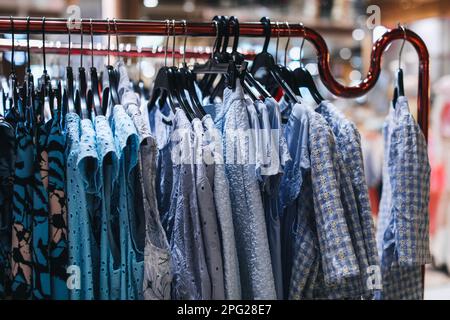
(349, 28)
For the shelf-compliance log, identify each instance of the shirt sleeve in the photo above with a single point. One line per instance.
(338, 255)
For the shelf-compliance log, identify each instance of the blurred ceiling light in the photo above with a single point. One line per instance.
(378, 31)
(355, 75)
(294, 53)
(356, 62)
(358, 34)
(151, 3)
(189, 6)
(148, 69)
(345, 53)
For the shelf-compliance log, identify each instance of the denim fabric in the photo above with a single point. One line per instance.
(7, 160)
(109, 273)
(296, 203)
(248, 213)
(221, 191)
(161, 129)
(191, 280)
(270, 175)
(354, 194)
(82, 184)
(403, 228)
(131, 223)
(204, 175)
(328, 240)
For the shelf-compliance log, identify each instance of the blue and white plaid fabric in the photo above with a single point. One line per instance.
(324, 259)
(355, 198)
(403, 230)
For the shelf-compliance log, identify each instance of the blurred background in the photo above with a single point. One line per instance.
(349, 27)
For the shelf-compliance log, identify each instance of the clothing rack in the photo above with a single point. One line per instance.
(247, 29)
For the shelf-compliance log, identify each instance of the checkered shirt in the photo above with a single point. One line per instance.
(325, 264)
(354, 194)
(403, 230)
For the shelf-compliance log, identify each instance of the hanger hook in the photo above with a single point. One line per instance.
(68, 31)
(267, 32)
(81, 43)
(303, 43)
(173, 42)
(109, 40)
(278, 41)
(43, 45)
(185, 40)
(216, 25)
(28, 45)
(13, 67)
(403, 44)
(167, 41)
(235, 23)
(92, 44)
(117, 34)
(287, 42)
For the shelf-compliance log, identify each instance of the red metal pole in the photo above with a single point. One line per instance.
(254, 29)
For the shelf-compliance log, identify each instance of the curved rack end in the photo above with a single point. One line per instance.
(423, 99)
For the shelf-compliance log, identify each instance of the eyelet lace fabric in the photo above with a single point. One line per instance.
(221, 194)
(82, 188)
(255, 268)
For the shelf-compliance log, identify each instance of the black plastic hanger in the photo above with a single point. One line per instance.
(68, 96)
(188, 79)
(208, 79)
(220, 65)
(266, 61)
(110, 94)
(190, 108)
(164, 84)
(45, 90)
(95, 105)
(303, 77)
(285, 72)
(27, 92)
(222, 57)
(239, 59)
(399, 89)
(12, 99)
(82, 82)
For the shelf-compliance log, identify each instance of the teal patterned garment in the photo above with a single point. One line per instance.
(21, 264)
(82, 187)
(7, 159)
(58, 247)
(131, 225)
(41, 268)
(110, 271)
